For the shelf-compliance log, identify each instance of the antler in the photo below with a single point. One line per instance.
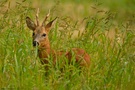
(37, 20)
(43, 24)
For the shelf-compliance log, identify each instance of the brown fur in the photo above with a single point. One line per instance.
(81, 56)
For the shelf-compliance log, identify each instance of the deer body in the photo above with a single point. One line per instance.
(40, 39)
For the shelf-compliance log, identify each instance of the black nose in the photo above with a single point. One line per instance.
(35, 43)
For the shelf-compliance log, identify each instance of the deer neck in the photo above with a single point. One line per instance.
(45, 50)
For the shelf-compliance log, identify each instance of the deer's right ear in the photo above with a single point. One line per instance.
(31, 25)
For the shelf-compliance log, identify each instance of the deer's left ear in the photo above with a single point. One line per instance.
(48, 26)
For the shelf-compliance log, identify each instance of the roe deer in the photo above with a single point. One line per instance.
(40, 39)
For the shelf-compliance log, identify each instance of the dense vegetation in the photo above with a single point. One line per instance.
(104, 29)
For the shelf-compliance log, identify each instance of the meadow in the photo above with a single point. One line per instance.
(104, 28)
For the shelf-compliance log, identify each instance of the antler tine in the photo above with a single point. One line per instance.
(37, 20)
(46, 18)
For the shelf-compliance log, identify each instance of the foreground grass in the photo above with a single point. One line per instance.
(112, 59)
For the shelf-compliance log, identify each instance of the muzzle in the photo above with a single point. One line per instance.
(35, 43)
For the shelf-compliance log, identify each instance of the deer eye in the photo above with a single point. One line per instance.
(33, 34)
(44, 35)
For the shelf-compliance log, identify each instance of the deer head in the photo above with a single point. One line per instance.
(40, 32)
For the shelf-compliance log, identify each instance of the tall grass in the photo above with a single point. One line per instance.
(112, 59)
